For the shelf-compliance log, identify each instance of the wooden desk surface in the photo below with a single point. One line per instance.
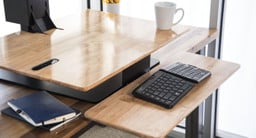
(93, 47)
(12, 128)
(124, 111)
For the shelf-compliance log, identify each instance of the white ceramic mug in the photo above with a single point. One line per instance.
(164, 13)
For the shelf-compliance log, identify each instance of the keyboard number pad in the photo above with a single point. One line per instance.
(166, 89)
(189, 72)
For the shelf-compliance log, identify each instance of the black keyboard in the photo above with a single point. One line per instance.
(189, 72)
(167, 86)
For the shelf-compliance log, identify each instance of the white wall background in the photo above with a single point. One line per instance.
(238, 95)
(194, 10)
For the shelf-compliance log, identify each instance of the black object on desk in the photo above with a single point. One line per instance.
(45, 64)
(33, 16)
(168, 86)
(189, 72)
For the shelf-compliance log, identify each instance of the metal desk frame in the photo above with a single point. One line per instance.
(203, 119)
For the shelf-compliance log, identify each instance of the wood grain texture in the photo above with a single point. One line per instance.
(125, 112)
(12, 128)
(93, 47)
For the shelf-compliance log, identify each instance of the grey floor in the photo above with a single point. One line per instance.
(106, 132)
(109, 132)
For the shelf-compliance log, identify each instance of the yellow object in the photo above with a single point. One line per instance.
(111, 1)
(116, 1)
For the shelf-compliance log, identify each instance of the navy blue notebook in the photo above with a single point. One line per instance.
(40, 108)
(8, 111)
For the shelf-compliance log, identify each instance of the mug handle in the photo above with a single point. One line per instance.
(177, 10)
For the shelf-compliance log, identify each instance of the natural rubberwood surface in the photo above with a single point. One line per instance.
(93, 47)
(124, 111)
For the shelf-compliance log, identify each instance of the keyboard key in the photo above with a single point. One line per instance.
(162, 94)
(172, 98)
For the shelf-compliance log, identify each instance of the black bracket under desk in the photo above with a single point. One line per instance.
(93, 95)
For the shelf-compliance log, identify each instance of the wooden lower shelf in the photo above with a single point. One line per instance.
(13, 128)
(125, 112)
